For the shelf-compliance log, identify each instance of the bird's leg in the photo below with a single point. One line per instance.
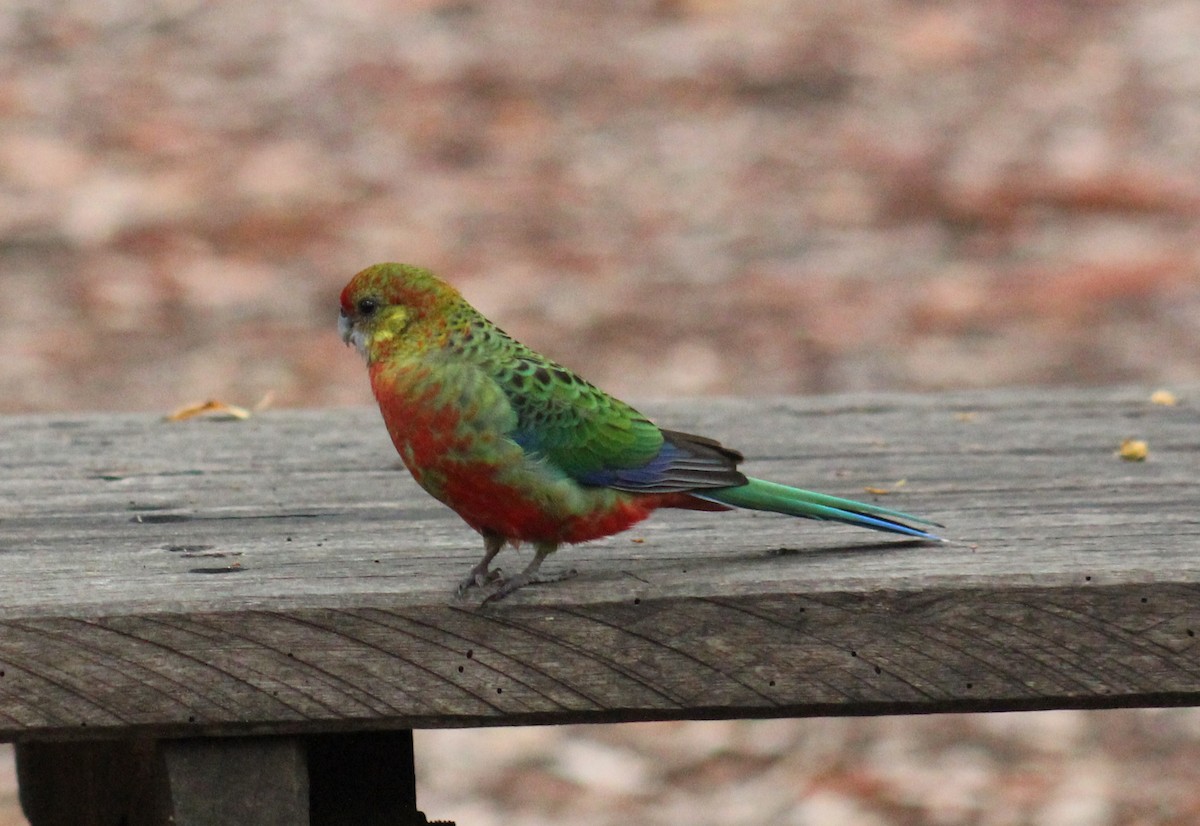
(530, 575)
(480, 575)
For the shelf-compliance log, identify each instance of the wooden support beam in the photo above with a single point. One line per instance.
(90, 783)
(221, 781)
(353, 779)
(363, 779)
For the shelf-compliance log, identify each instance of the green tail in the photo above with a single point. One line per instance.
(760, 495)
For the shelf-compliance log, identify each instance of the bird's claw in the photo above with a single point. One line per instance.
(524, 578)
(479, 577)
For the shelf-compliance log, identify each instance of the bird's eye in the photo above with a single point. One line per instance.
(367, 306)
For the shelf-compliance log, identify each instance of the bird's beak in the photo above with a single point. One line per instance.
(345, 328)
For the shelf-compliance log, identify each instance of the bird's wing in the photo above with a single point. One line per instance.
(599, 440)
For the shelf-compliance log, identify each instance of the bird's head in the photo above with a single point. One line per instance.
(385, 304)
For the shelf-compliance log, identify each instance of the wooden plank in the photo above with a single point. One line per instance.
(280, 574)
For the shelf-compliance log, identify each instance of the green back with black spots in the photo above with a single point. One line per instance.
(569, 421)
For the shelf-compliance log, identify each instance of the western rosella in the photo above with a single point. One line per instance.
(523, 449)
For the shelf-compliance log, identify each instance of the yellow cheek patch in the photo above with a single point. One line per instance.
(389, 325)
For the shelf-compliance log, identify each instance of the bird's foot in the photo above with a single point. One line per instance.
(480, 577)
(524, 578)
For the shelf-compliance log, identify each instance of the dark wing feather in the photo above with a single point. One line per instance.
(685, 462)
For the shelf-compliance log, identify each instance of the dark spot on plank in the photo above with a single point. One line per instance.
(187, 549)
(228, 569)
(160, 518)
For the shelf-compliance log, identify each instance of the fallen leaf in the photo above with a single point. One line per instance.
(1164, 397)
(885, 491)
(1133, 450)
(211, 409)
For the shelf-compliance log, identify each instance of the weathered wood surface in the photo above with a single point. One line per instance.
(281, 575)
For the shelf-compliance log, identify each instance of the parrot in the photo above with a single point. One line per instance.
(525, 450)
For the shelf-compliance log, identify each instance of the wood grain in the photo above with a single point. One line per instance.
(283, 575)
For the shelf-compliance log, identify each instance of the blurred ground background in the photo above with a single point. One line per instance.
(681, 197)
